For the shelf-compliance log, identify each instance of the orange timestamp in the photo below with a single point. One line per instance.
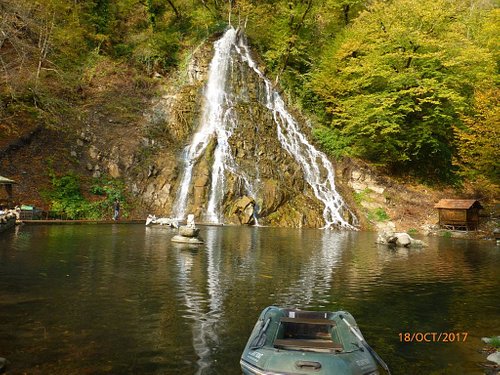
(433, 336)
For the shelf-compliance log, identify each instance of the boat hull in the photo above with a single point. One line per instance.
(293, 342)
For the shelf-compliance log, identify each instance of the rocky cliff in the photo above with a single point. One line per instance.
(282, 195)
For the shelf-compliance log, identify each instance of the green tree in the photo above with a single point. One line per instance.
(396, 86)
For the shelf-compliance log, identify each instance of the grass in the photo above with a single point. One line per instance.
(446, 234)
(378, 214)
(495, 342)
(363, 196)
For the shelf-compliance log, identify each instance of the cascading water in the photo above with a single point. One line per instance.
(212, 118)
(219, 120)
(314, 163)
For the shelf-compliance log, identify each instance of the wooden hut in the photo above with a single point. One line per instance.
(6, 196)
(458, 214)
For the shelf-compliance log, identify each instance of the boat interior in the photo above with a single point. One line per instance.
(309, 331)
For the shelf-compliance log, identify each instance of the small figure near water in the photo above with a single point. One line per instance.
(116, 209)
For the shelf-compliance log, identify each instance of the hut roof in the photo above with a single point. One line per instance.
(6, 181)
(460, 204)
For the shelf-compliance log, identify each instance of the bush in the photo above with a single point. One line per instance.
(66, 197)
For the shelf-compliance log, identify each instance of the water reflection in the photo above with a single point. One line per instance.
(312, 286)
(203, 309)
(124, 299)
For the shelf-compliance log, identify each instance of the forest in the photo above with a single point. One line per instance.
(408, 86)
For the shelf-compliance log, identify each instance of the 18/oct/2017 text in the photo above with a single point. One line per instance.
(433, 336)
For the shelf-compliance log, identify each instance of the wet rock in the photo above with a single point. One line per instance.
(244, 210)
(201, 181)
(398, 240)
(401, 239)
(188, 232)
(494, 357)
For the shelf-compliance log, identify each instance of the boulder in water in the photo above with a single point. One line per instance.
(398, 240)
(188, 233)
(494, 357)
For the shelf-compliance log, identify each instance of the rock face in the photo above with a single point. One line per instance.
(244, 211)
(152, 166)
(262, 180)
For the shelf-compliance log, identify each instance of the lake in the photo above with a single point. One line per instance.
(123, 299)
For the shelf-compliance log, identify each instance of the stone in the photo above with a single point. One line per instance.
(186, 240)
(494, 357)
(398, 239)
(247, 216)
(244, 210)
(93, 152)
(199, 195)
(114, 170)
(403, 239)
(188, 233)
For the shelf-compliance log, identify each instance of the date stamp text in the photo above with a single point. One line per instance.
(433, 336)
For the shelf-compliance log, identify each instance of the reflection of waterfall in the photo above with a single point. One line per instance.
(204, 311)
(314, 283)
(219, 120)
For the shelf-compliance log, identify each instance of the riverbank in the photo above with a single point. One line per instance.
(390, 203)
(87, 221)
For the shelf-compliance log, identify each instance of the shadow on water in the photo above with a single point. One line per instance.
(124, 299)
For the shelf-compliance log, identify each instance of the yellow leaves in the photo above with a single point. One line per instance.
(479, 141)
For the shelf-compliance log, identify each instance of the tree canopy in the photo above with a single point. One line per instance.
(396, 87)
(408, 85)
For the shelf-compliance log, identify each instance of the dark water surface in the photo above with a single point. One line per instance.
(123, 299)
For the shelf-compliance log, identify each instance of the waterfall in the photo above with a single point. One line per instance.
(212, 118)
(219, 120)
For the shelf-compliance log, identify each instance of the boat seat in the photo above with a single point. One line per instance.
(307, 344)
(327, 322)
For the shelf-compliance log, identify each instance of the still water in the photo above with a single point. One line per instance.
(123, 299)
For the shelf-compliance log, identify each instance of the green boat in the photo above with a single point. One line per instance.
(293, 342)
